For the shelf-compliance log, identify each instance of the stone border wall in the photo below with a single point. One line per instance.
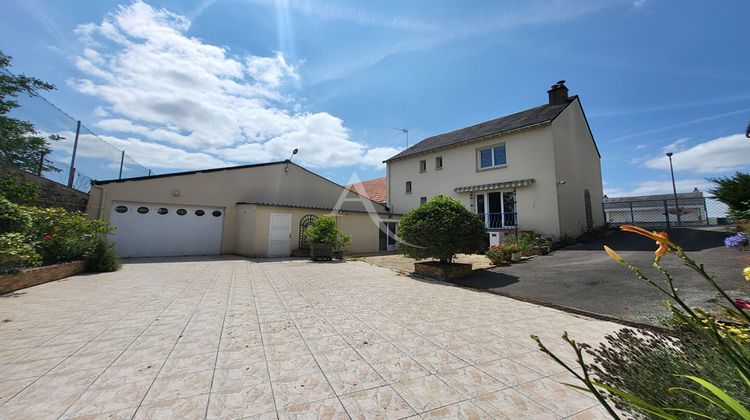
(51, 193)
(38, 275)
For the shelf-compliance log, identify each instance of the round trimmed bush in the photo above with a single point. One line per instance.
(440, 228)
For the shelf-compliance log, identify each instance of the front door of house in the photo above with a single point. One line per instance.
(387, 236)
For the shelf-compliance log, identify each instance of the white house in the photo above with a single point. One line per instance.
(536, 170)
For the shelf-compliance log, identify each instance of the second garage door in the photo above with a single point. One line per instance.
(160, 230)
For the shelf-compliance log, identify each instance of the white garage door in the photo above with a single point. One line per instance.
(160, 230)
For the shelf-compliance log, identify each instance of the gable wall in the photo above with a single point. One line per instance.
(578, 164)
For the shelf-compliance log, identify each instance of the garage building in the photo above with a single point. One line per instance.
(256, 210)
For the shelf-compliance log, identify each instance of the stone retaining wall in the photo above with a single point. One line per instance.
(39, 275)
(51, 193)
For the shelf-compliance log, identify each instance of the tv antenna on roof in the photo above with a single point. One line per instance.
(405, 131)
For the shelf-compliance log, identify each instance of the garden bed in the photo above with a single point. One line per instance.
(38, 275)
(442, 271)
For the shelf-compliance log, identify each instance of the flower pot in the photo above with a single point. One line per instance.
(497, 260)
(321, 252)
(516, 256)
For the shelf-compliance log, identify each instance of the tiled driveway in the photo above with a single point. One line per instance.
(233, 338)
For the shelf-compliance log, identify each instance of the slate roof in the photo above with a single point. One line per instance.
(374, 189)
(533, 116)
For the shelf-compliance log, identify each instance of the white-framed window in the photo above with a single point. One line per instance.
(439, 162)
(422, 166)
(408, 187)
(422, 200)
(492, 157)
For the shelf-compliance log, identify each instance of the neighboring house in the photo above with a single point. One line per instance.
(252, 210)
(645, 210)
(374, 189)
(536, 170)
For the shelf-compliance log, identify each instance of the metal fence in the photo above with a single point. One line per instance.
(79, 155)
(693, 211)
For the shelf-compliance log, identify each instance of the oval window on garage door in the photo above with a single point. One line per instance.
(181, 212)
(142, 210)
(162, 210)
(121, 209)
(199, 212)
(216, 213)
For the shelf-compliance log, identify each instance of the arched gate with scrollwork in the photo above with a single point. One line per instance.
(304, 223)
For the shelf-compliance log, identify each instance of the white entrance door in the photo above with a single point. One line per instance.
(280, 235)
(160, 230)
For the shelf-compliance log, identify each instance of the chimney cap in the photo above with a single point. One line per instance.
(558, 94)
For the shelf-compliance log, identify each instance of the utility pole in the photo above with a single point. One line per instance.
(72, 171)
(674, 191)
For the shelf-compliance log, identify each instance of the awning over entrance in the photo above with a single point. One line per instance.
(496, 185)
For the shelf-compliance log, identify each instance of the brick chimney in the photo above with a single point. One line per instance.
(558, 95)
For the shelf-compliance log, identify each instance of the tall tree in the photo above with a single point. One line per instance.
(21, 144)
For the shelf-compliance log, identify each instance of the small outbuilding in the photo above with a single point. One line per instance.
(256, 210)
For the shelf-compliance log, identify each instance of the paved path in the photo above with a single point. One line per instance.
(232, 338)
(584, 277)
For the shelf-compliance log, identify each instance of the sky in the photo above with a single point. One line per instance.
(184, 85)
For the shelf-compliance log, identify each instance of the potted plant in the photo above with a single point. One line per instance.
(342, 240)
(497, 255)
(514, 250)
(526, 244)
(542, 245)
(439, 229)
(325, 237)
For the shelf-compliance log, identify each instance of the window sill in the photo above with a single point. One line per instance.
(489, 168)
(439, 169)
(423, 172)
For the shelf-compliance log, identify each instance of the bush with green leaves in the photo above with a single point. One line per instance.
(325, 231)
(64, 235)
(15, 191)
(102, 258)
(13, 218)
(17, 252)
(440, 228)
(734, 191)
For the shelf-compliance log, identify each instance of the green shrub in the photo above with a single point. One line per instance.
(13, 218)
(644, 363)
(440, 228)
(25, 193)
(733, 191)
(17, 252)
(325, 231)
(64, 235)
(103, 258)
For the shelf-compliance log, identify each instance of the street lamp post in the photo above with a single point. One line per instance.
(674, 191)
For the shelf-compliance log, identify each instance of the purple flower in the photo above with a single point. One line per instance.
(739, 241)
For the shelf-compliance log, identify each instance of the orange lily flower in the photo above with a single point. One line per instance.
(661, 239)
(612, 254)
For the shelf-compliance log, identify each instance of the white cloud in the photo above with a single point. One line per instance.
(107, 151)
(722, 154)
(658, 187)
(169, 88)
(676, 146)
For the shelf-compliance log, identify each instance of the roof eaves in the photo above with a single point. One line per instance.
(477, 139)
(199, 171)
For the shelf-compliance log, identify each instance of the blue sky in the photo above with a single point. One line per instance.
(194, 84)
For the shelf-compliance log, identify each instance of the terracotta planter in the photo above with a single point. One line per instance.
(321, 252)
(443, 271)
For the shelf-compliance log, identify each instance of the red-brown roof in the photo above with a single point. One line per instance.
(374, 189)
